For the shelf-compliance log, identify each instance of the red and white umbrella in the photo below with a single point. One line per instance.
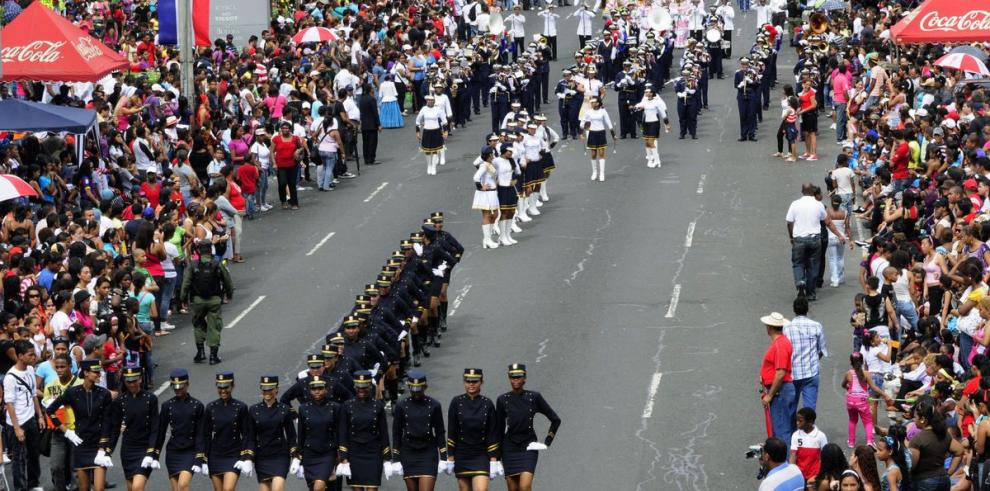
(314, 35)
(12, 187)
(963, 62)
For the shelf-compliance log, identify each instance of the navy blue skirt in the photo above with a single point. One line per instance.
(517, 460)
(219, 464)
(534, 172)
(177, 461)
(318, 466)
(470, 462)
(431, 141)
(548, 165)
(651, 129)
(596, 140)
(84, 456)
(271, 466)
(507, 198)
(366, 464)
(130, 461)
(419, 462)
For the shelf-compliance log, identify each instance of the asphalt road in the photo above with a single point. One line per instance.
(634, 302)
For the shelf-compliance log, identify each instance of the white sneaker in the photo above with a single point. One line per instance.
(168, 327)
(832, 126)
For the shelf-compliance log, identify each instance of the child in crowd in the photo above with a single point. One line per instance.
(807, 443)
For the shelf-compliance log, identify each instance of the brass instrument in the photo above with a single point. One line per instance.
(819, 23)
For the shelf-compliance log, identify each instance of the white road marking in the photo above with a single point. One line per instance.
(320, 243)
(458, 299)
(689, 238)
(373, 193)
(654, 386)
(541, 354)
(701, 184)
(161, 388)
(245, 313)
(674, 297)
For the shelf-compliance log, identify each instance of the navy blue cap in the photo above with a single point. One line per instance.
(178, 377)
(473, 374)
(131, 373)
(90, 365)
(362, 379)
(517, 370)
(225, 378)
(417, 380)
(269, 382)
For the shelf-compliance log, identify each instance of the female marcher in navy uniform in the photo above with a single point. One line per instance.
(270, 437)
(364, 444)
(419, 436)
(134, 415)
(514, 412)
(472, 436)
(319, 422)
(89, 403)
(183, 415)
(224, 427)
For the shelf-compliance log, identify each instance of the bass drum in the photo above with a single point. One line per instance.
(713, 35)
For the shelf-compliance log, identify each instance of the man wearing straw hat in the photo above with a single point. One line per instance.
(776, 384)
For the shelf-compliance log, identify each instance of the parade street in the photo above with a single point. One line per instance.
(634, 302)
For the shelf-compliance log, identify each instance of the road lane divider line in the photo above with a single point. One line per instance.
(675, 296)
(245, 313)
(701, 184)
(459, 298)
(651, 400)
(375, 192)
(320, 243)
(161, 388)
(689, 237)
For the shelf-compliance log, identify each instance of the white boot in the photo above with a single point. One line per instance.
(594, 169)
(515, 225)
(521, 211)
(429, 165)
(436, 160)
(537, 197)
(443, 156)
(545, 191)
(508, 236)
(601, 170)
(487, 242)
(494, 229)
(649, 158)
(532, 200)
(504, 236)
(656, 157)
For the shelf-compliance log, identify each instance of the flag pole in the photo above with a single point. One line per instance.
(186, 44)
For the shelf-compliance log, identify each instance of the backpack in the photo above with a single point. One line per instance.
(206, 280)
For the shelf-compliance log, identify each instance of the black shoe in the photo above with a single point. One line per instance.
(109, 485)
(680, 137)
(742, 139)
(425, 350)
(214, 357)
(623, 137)
(812, 297)
(694, 137)
(200, 354)
(752, 139)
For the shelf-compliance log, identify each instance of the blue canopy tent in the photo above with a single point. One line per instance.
(18, 115)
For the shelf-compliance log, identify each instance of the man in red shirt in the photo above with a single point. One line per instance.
(247, 176)
(899, 162)
(779, 397)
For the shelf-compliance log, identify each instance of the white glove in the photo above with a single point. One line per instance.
(245, 466)
(343, 470)
(397, 469)
(197, 469)
(73, 437)
(493, 470)
(442, 467)
(300, 473)
(205, 470)
(294, 466)
(103, 460)
(536, 446)
(437, 272)
(403, 334)
(418, 248)
(387, 469)
(155, 464)
(146, 463)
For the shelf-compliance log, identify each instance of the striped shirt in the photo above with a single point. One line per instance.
(784, 477)
(809, 344)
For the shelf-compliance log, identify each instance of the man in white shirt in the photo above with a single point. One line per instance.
(550, 29)
(345, 78)
(696, 21)
(804, 218)
(728, 14)
(24, 417)
(517, 27)
(144, 158)
(845, 185)
(584, 27)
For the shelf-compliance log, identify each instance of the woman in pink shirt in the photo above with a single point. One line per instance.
(239, 145)
(275, 104)
(841, 83)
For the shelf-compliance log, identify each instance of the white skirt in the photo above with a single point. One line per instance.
(485, 200)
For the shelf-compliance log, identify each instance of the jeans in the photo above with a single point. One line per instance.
(329, 161)
(840, 121)
(147, 362)
(965, 347)
(24, 456)
(744, 6)
(61, 461)
(901, 185)
(906, 308)
(251, 205)
(938, 483)
(836, 265)
(804, 252)
(261, 195)
(806, 390)
(858, 408)
(847, 202)
(168, 292)
(287, 177)
(783, 411)
(870, 102)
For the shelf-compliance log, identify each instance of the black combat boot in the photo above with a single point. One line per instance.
(200, 354)
(214, 358)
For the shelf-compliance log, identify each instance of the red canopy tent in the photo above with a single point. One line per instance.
(42, 45)
(945, 22)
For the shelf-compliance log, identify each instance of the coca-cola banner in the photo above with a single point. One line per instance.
(945, 21)
(42, 45)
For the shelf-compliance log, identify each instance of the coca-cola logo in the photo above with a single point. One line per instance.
(974, 20)
(34, 52)
(87, 48)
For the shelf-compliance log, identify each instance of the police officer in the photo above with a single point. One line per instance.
(134, 414)
(181, 415)
(514, 412)
(419, 436)
(204, 286)
(224, 430)
(319, 420)
(746, 92)
(628, 88)
(90, 404)
(364, 444)
(472, 436)
(687, 104)
(271, 436)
